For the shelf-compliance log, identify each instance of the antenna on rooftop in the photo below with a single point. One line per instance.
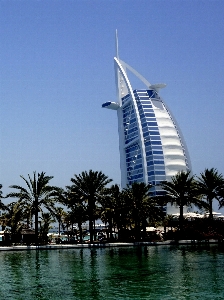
(116, 41)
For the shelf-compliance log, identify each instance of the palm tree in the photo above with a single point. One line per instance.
(119, 208)
(209, 185)
(59, 214)
(109, 208)
(28, 213)
(143, 207)
(68, 223)
(2, 206)
(116, 210)
(46, 220)
(13, 218)
(181, 190)
(37, 193)
(77, 204)
(89, 186)
(79, 215)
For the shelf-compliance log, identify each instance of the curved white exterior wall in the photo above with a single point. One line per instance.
(174, 157)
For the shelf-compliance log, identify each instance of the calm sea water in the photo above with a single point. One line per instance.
(162, 272)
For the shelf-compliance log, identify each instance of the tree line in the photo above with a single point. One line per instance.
(89, 198)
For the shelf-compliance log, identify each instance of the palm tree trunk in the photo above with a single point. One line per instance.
(67, 231)
(181, 218)
(36, 223)
(80, 231)
(210, 209)
(137, 232)
(59, 227)
(119, 226)
(94, 229)
(144, 225)
(28, 221)
(91, 219)
(110, 229)
(91, 229)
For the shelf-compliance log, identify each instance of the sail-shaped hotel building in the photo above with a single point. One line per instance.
(152, 148)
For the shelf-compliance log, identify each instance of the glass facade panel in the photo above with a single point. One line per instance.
(152, 140)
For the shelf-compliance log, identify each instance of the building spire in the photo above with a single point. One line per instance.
(116, 41)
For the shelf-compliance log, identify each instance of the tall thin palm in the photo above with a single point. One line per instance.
(89, 186)
(181, 190)
(209, 185)
(118, 203)
(46, 220)
(59, 214)
(37, 193)
(28, 212)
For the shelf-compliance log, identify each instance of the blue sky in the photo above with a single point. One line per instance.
(56, 69)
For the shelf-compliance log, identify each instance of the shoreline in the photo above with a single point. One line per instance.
(108, 245)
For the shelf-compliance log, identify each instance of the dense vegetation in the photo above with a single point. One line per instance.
(127, 212)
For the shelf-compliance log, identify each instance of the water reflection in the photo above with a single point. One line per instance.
(118, 273)
(94, 275)
(37, 288)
